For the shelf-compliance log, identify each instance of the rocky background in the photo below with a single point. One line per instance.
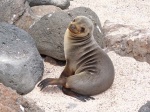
(31, 28)
(12, 102)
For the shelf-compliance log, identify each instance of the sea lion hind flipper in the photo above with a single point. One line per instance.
(78, 96)
(51, 81)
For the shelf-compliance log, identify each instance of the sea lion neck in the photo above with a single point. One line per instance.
(80, 39)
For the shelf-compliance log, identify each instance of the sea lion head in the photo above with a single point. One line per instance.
(81, 26)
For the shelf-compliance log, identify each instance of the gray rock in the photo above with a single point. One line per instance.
(63, 4)
(11, 10)
(40, 11)
(145, 108)
(127, 40)
(21, 65)
(49, 31)
(33, 14)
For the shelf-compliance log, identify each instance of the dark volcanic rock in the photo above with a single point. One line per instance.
(49, 31)
(63, 4)
(11, 10)
(21, 65)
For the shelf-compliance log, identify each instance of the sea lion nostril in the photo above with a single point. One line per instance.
(72, 27)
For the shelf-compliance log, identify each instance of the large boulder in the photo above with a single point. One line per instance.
(11, 10)
(49, 31)
(33, 14)
(21, 65)
(127, 40)
(12, 102)
(63, 4)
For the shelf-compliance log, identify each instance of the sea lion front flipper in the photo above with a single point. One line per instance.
(67, 71)
(51, 81)
(78, 96)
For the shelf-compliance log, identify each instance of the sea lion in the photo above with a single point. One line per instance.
(88, 71)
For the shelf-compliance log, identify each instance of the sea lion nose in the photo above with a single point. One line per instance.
(72, 27)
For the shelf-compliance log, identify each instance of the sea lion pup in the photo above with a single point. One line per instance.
(88, 71)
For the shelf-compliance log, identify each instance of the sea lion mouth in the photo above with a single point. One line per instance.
(73, 29)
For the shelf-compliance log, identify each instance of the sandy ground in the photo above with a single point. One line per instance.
(130, 90)
(131, 87)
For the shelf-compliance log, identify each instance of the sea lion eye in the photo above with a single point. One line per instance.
(82, 29)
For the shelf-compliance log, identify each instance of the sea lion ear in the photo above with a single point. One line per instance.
(93, 21)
